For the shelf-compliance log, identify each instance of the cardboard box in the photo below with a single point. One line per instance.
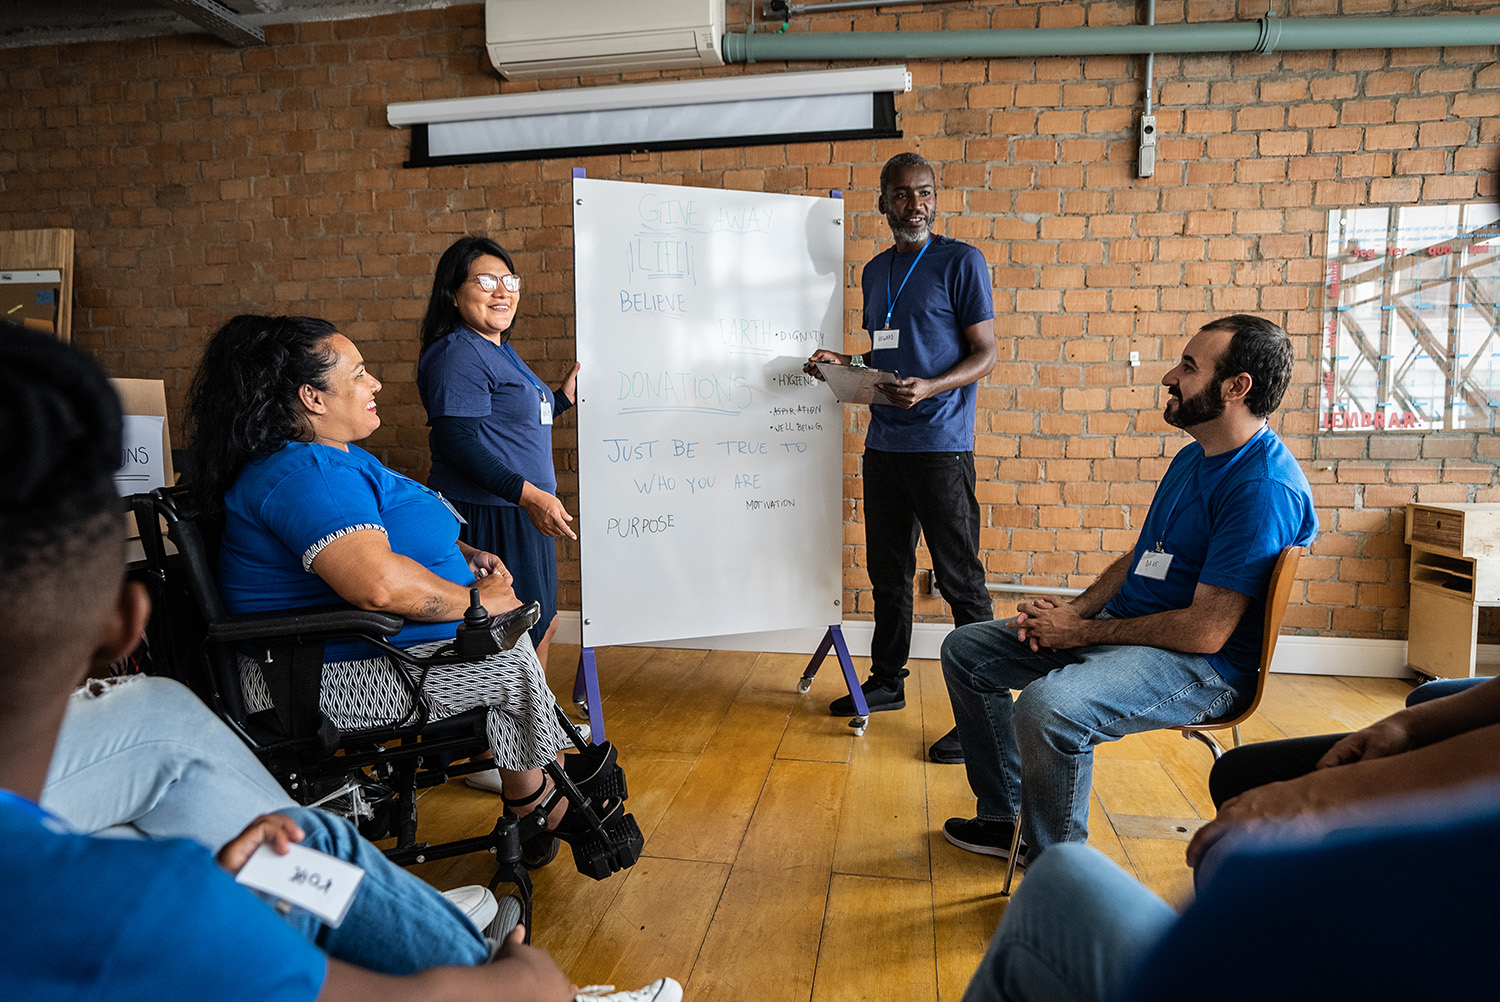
(147, 460)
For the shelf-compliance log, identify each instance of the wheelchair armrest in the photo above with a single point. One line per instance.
(320, 621)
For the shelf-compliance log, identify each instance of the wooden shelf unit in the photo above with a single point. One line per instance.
(1455, 571)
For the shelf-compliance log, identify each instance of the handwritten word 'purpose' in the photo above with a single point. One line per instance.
(636, 526)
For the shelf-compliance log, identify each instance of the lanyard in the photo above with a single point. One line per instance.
(1172, 512)
(890, 301)
(510, 353)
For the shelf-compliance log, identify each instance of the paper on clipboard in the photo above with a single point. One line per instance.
(855, 384)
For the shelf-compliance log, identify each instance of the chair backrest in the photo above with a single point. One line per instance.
(1277, 594)
(190, 598)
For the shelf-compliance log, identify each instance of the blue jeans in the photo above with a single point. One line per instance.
(1076, 930)
(146, 754)
(1043, 741)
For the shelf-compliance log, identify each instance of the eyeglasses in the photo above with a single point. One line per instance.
(489, 283)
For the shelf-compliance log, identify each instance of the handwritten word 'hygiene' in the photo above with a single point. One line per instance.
(691, 215)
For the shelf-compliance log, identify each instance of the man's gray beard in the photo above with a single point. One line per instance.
(909, 236)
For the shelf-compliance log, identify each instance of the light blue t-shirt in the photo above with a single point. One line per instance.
(284, 509)
(463, 375)
(947, 292)
(89, 918)
(1225, 519)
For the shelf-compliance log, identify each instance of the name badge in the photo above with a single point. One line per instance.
(546, 411)
(1154, 565)
(311, 880)
(888, 339)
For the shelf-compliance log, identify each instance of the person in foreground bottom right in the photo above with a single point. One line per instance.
(1301, 888)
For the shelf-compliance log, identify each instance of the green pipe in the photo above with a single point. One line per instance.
(1268, 34)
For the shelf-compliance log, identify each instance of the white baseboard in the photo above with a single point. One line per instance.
(1296, 655)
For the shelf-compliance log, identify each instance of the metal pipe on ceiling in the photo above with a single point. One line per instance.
(1267, 34)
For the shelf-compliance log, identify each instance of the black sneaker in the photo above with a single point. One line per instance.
(947, 750)
(878, 696)
(988, 838)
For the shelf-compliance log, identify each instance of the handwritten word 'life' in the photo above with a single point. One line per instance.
(313, 879)
(636, 526)
(686, 389)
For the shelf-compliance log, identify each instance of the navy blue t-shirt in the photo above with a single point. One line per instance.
(464, 375)
(133, 921)
(948, 291)
(1225, 519)
(284, 509)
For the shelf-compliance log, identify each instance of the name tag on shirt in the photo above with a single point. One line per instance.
(1154, 565)
(546, 411)
(311, 880)
(887, 339)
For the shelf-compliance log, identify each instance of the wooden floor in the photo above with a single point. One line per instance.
(787, 860)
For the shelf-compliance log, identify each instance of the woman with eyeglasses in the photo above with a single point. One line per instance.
(491, 422)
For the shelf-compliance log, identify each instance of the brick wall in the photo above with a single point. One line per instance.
(205, 181)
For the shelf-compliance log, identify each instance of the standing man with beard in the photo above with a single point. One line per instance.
(929, 308)
(1169, 634)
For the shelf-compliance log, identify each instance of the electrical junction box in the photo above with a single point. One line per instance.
(542, 38)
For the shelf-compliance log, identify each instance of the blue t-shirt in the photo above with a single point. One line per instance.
(1225, 519)
(465, 375)
(88, 918)
(285, 508)
(948, 291)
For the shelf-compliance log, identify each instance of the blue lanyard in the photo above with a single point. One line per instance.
(510, 353)
(890, 301)
(1172, 512)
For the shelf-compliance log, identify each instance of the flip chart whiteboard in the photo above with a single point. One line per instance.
(709, 465)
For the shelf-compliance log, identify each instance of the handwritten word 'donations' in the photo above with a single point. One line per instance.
(664, 390)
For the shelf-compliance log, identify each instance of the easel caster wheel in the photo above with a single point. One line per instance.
(804, 684)
(859, 724)
(583, 706)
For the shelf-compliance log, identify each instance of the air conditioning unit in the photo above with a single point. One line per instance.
(541, 38)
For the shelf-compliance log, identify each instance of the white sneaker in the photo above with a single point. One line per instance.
(662, 990)
(476, 902)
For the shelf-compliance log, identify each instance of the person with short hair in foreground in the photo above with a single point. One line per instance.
(122, 919)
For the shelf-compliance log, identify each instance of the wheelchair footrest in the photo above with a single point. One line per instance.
(599, 857)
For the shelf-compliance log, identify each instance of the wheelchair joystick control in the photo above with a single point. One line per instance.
(474, 637)
(476, 617)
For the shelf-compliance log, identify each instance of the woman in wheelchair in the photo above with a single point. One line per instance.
(310, 518)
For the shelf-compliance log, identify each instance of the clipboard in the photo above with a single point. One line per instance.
(855, 384)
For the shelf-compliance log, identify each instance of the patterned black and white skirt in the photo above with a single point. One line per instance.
(522, 727)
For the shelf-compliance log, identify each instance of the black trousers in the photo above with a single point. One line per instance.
(1248, 766)
(930, 494)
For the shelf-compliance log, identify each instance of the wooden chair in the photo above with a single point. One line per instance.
(1279, 590)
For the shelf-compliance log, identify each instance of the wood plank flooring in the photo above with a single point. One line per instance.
(787, 860)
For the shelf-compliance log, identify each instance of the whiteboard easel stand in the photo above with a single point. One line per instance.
(586, 682)
(834, 638)
(586, 694)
